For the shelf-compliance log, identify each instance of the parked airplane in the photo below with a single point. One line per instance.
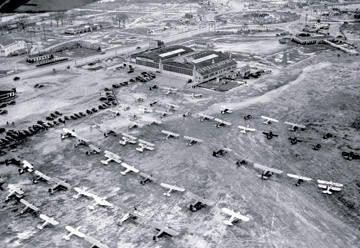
(28, 207)
(234, 216)
(39, 176)
(269, 120)
(154, 122)
(164, 231)
(82, 192)
(133, 215)
(93, 150)
(329, 186)
(170, 134)
(146, 178)
(111, 157)
(246, 129)
(59, 185)
(270, 135)
(294, 127)
(300, 179)
(14, 192)
(169, 90)
(26, 167)
(221, 123)
(100, 201)
(199, 203)
(204, 117)
(68, 133)
(127, 139)
(171, 188)
(145, 145)
(194, 95)
(116, 112)
(267, 171)
(225, 110)
(171, 107)
(128, 168)
(192, 140)
(162, 113)
(94, 242)
(73, 231)
(47, 220)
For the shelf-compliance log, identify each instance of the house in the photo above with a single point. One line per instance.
(7, 92)
(12, 47)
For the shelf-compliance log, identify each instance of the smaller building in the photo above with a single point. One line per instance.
(39, 57)
(7, 92)
(82, 29)
(12, 47)
(311, 39)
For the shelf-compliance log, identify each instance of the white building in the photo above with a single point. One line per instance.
(11, 47)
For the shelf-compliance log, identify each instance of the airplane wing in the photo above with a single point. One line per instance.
(75, 231)
(265, 168)
(222, 122)
(330, 183)
(235, 214)
(192, 139)
(95, 242)
(172, 187)
(170, 133)
(50, 220)
(294, 124)
(299, 177)
(29, 205)
(129, 167)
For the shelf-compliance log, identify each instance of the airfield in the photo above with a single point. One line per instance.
(314, 87)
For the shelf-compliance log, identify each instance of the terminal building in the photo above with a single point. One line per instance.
(311, 39)
(200, 66)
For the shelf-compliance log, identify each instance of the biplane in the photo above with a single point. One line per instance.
(171, 188)
(204, 117)
(111, 157)
(300, 179)
(269, 135)
(28, 207)
(145, 145)
(269, 120)
(234, 216)
(329, 186)
(267, 171)
(170, 134)
(221, 123)
(127, 139)
(26, 167)
(128, 168)
(192, 140)
(73, 231)
(14, 192)
(47, 220)
(246, 129)
(294, 127)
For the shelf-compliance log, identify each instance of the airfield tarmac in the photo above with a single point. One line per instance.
(320, 91)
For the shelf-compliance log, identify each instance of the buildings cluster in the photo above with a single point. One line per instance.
(12, 47)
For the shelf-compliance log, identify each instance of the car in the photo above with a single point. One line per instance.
(16, 78)
(115, 86)
(138, 47)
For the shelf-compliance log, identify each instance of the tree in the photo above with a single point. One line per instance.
(121, 19)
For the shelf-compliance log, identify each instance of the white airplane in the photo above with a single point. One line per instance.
(82, 192)
(233, 216)
(162, 113)
(194, 95)
(145, 110)
(169, 90)
(221, 123)
(294, 127)
(246, 129)
(146, 178)
(73, 231)
(59, 185)
(128, 168)
(41, 177)
(94, 242)
(164, 231)
(116, 112)
(204, 117)
(14, 191)
(269, 120)
(68, 133)
(300, 179)
(26, 166)
(171, 188)
(171, 107)
(192, 140)
(28, 207)
(225, 110)
(170, 134)
(130, 216)
(47, 220)
(93, 150)
(267, 171)
(145, 145)
(133, 125)
(154, 122)
(127, 139)
(100, 201)
(111, 157)
(329, 186)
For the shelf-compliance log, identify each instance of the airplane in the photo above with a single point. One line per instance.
(294, 127)
(163, 113)
(267, 171)
(221, 123)
(111, 157)
(26, 167)
(145, 110)
(270, 135)
(94, 242)
(73, 231)
(68, 133)
(41, 177)
(171, 188)
(145, 145)
(234, 216)
(100, 201)
(47, 220)
(221, 152)
(170, 134)
(127, 139)
(329, 186)
(172, 107)
(164, 231)
(246, 129)
(14, 191)
(294, 140)
(93, 150)
(194, 95)
(269, 120)
(146, 178)
(133, 215)
(300, 179)
(82, 192)
(128, 169)
(225, 110)
(192, 140)
(199, 203)
(28, 207)
(204, 117)
(59, 185)
(133, 125)
(116, 112)
(154, 122)
(169, 90)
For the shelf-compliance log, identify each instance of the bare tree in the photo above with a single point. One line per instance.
(121, 19)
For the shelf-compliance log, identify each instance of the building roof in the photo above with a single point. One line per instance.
(308, 36)
(164, 53)
(6, 87)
